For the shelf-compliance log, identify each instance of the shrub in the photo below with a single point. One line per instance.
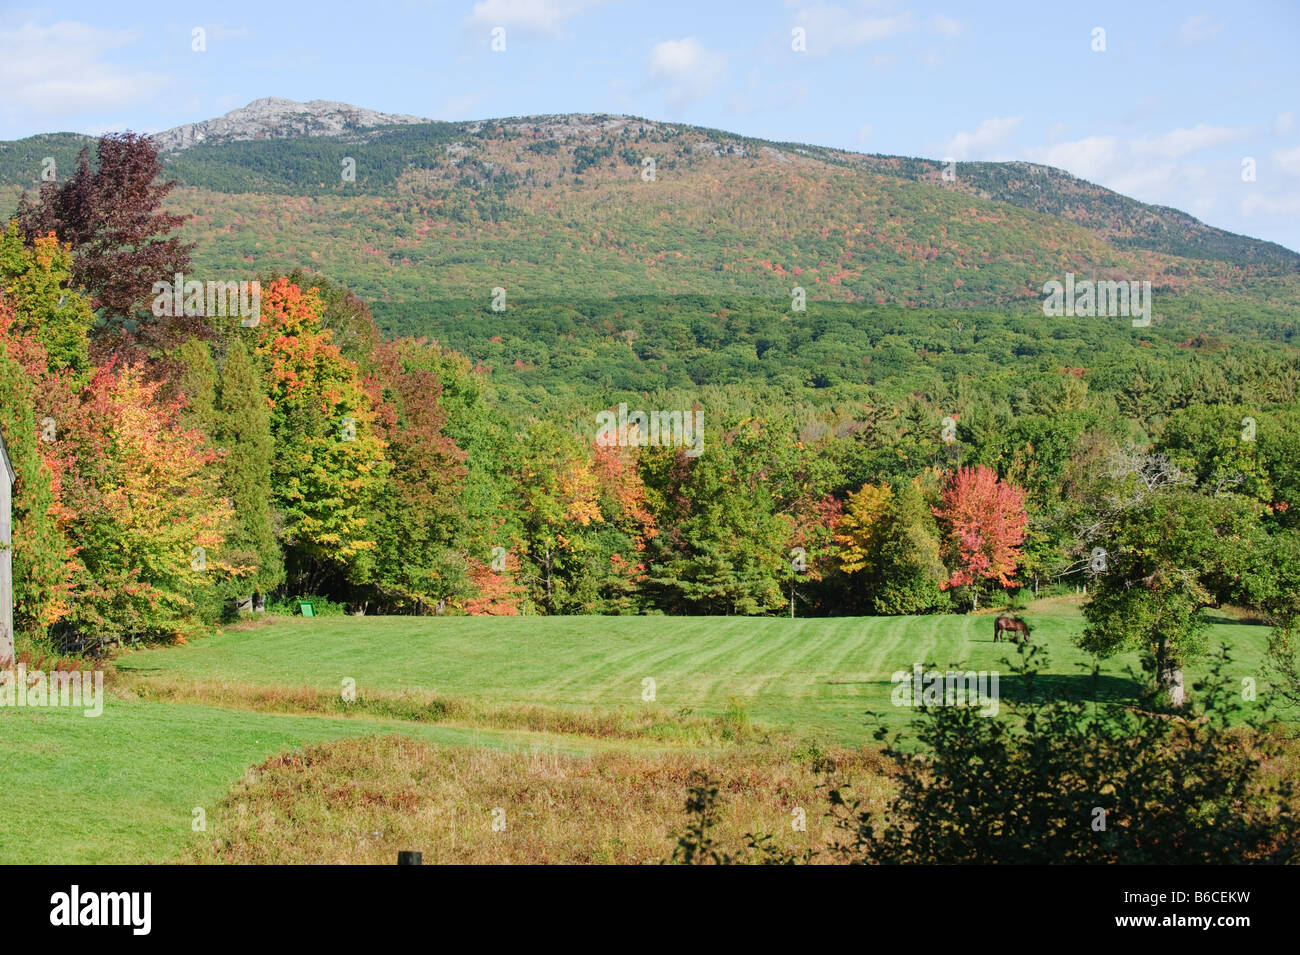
(1059, 780)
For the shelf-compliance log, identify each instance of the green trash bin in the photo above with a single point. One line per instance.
(307, 607)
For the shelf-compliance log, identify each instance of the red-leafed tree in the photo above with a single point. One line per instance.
(985, 522)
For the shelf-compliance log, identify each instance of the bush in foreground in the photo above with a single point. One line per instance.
(1058, 780)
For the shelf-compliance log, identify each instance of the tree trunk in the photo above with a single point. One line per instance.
(1169, 673)
(550, 602)
(1171, 680)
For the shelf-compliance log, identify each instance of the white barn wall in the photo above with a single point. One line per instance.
(6, 557)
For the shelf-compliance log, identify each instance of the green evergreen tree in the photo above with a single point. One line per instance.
(244, 429)
(911, 568)
(197, 383)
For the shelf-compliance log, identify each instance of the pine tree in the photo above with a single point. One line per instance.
(197, 384)
(911, 567)
(243, 428)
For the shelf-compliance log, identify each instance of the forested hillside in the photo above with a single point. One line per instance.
(565, 208)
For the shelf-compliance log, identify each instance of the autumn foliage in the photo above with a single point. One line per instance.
(985, 520)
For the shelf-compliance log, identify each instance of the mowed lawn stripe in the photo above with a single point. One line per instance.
(729, 647)
(796, 656)
(812, 674)
(619, 656)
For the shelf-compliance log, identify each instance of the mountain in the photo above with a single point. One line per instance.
(424, 219)
(275, 118)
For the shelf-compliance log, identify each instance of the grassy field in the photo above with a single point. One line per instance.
(544, 715)
(806, 677)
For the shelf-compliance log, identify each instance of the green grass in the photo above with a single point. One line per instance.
(122, 787)
(809, 677)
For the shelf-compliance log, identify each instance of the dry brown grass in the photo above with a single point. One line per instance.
(646, 723)
(361, 801)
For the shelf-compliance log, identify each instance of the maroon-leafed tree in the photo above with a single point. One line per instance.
(111, 214)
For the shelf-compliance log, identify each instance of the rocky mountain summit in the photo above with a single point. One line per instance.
(274, 117)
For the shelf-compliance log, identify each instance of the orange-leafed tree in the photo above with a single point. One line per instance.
(629, 525)
(330, 462)
(41, 554)
(495, 591)
(147, 519)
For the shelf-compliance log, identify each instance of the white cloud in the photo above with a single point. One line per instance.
(1162, 169)
(1271, 207)
(830, 28)
(1198, 29)
(981, 142)
(538, 16)
(677, 59)
(57, 74)
(1154, 168)
(1180, 142)
(1091, 158)
(686, 68)
(461, 107)
(1288, 160)
(945, 25)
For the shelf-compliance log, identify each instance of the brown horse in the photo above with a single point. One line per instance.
(1013, 624)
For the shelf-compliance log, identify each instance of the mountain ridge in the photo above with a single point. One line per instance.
(564, 207)
(275, 117)
(239, 141)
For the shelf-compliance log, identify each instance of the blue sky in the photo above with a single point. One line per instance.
(1181, 94)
